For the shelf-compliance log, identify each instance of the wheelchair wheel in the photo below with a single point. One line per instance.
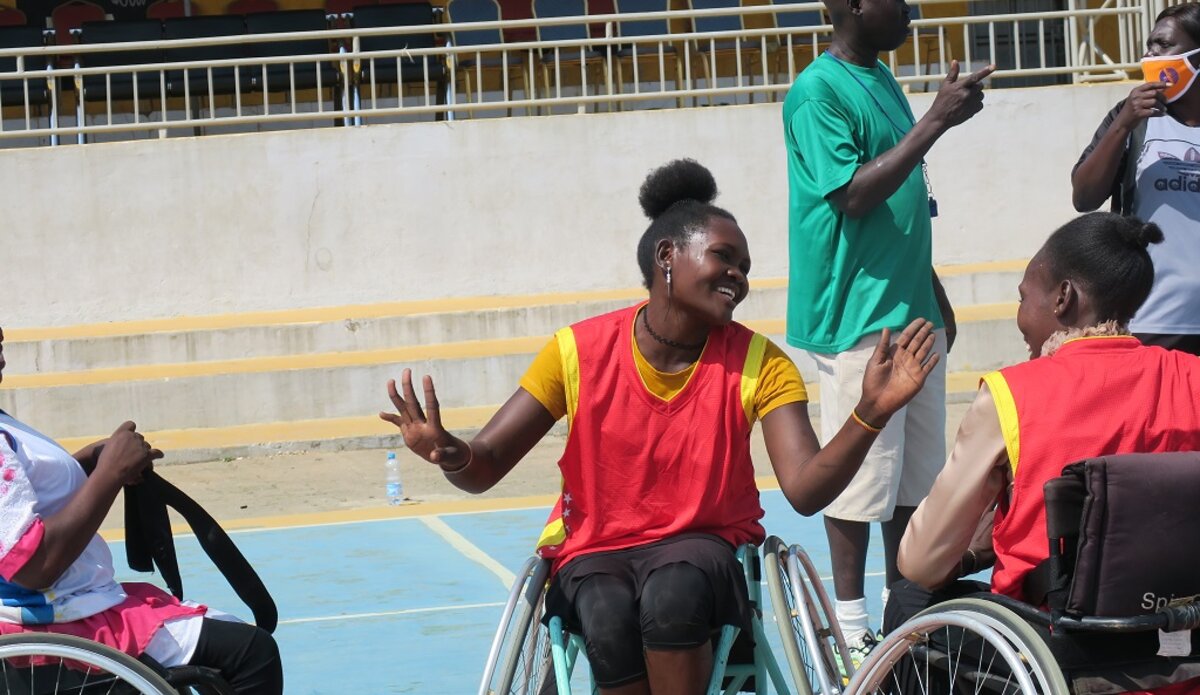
(519, 662)
(807, 628)
(956, 651)
(1042, 666)
(46, 664)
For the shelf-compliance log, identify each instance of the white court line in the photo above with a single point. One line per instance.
(348, 522)
(385, 614)
(469, 549)
(435, 609)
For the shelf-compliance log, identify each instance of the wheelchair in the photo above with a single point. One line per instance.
(808, 628)
(42, 663)
(529, 658)
(1106, 618)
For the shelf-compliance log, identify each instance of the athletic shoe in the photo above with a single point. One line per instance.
(858, 654)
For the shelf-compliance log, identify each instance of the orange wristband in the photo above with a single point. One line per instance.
(865, 425)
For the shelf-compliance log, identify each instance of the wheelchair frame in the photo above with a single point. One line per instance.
(811, 635)
(99, 664)
(1016, 658)
(1005, 627)
(528, 658)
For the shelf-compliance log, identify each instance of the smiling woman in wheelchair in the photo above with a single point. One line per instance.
(658, 487)
(1089, 390)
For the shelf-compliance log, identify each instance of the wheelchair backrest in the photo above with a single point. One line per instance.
(1124, 532)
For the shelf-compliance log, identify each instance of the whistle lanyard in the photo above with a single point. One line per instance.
(933, 210)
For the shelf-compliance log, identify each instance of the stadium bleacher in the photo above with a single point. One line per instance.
(383, 65)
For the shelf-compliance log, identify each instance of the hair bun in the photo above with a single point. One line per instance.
(1141, 234)
(675, 181)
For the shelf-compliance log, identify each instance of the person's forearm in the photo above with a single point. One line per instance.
(878, 179)
(1092, 182)
(815, 483)
(932, 559)
(88, 454)
(68, 532)
(951, 516)
(475, 470)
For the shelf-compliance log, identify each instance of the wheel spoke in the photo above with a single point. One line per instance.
(963, 651)
(70, 664)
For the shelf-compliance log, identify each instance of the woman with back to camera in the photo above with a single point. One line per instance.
(1090, 389)
(57, 575)
(1145, 156)
(658, 486)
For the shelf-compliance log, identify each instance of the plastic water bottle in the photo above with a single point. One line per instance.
(395, 488)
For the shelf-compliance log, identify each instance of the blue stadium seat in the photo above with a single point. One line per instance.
(804, 49)
(566, 32)
(707, 49)
(466, 64)
(198, 82)
(401, 70)
(279, 77)
(13, 91)
(121, 85)
(647, 54)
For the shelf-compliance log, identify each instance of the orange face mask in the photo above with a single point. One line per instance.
(1177, 71)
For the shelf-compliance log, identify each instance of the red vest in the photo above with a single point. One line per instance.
(637, 469)
(1094, 397)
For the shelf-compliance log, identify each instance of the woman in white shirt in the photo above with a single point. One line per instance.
(56, 573)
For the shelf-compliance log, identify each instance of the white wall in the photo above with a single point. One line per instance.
(505, 206)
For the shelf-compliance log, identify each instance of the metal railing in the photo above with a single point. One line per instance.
(350, 86)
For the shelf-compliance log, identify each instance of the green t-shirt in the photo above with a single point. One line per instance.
(849, 277)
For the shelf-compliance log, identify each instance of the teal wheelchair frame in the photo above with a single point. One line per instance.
(529, 658)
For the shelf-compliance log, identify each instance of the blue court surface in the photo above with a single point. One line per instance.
(410, 605)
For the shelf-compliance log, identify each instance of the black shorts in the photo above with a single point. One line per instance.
(711, 555)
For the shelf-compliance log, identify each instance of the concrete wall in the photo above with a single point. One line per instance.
(506, 206)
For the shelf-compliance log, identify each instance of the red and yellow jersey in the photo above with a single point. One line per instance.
(1094, 397)
(652, 455)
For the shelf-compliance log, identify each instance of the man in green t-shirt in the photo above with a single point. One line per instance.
(861, 261)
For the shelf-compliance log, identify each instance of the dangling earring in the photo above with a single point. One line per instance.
(668, 281)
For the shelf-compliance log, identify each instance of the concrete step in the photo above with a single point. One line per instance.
(229, 385)
(190, 444)
(338, 385)
(382, 326)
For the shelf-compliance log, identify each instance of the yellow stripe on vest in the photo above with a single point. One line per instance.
(554, 534)
(750, 372)
(1006, 406)
(569, 355)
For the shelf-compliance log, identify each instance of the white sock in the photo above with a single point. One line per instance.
(885, 594)
(852, 616)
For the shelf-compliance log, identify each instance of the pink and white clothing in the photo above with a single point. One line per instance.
(38, 478)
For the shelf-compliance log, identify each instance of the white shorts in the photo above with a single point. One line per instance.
(910, 451)
(175, 642)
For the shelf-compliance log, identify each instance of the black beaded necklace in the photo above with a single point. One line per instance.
(667, 341)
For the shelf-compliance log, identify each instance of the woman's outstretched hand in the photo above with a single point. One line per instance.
(896, 372)
(422, 430)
